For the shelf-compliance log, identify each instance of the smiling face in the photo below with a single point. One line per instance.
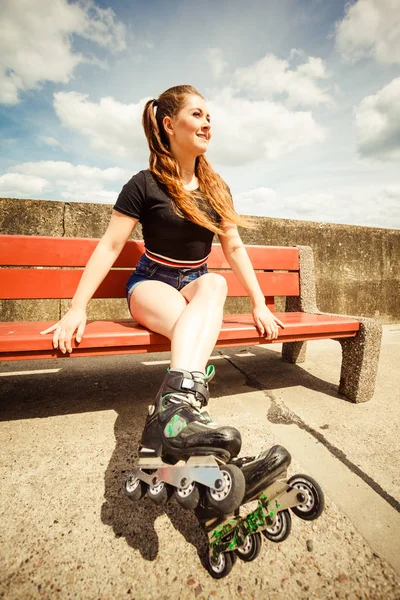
(190, 130)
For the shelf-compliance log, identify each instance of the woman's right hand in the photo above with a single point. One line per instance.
(64, 329)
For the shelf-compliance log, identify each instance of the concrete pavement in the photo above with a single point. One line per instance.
(69, 431)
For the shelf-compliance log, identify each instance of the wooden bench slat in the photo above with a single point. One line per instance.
(262, 258)
(165, 347)
(30, 251)
(104, 337)
(56, 283)
(25, 250)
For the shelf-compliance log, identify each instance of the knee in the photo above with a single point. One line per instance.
(216, 285)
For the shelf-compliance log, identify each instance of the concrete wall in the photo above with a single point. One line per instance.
(357, 268)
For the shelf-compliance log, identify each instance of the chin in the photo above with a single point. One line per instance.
(202, 150)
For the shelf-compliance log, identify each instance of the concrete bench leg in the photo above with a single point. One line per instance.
(360, 356)
(294, 352)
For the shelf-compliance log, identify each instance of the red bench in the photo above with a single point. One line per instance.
(50, 267)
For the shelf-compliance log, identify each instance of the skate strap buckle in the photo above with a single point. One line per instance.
(187, 384)
(199, 388)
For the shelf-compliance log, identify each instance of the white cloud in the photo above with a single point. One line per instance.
(54, 168)
(246, 128)
(377, 120)
(247, 131)
(35, 44)
(50, 141)
(216, 59)
(258, 202)
(270, 77)
(112, 128)
(370, 28)
(380, 205)
(78, 183)
(100, 26)
(18, 185)
(85, 191)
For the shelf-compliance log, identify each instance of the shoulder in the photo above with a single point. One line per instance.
(137, 181)
(145, 181)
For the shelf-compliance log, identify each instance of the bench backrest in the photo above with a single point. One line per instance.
(55, 266)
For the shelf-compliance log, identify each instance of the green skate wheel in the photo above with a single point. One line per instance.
(188, 497)
(159, 494)
(280, 528)
(251, 547)
(221, 566)
(134, 488)
(311, 497)
(226, 498)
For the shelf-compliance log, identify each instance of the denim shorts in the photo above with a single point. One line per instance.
(150, 270)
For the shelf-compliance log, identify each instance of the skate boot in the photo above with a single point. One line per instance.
(183, 452)
(266, 482)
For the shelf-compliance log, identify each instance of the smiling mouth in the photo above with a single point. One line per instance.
(202, 136)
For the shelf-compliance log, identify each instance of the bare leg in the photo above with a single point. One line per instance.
(176, 427)
(191, 319)
(197, 329)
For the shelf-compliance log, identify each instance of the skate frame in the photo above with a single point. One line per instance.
(275, 498)
(199, 469)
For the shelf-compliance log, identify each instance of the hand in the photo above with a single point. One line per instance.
(74, 319)
(266, 322)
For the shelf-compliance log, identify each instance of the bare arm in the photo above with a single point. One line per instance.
(98, 265)
(239, 260)
(103, 257)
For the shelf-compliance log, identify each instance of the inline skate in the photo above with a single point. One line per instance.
(232, 537)
(184, 453)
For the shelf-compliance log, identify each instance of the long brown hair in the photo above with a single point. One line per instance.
(166, 169)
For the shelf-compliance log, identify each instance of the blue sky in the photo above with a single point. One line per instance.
(304, 97)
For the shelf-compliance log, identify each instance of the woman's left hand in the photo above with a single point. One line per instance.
(266, 322)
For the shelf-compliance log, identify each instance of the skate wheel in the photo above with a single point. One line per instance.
(312, 496)
(221, 566)
(229, 498)
(134, 488)
(159, 494)
(280, 529)
(251, 547)
(188, 497)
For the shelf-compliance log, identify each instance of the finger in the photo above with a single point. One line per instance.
(49, 329)
(279, 322)
(61, 341)
(268, 333)
(55, 337)
(80, 331)
(68, 342)
(272, 332)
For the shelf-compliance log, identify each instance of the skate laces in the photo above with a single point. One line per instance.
(177, 398)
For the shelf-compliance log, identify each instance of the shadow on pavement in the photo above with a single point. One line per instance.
(107, 383)
(127, 386)
(135, 521)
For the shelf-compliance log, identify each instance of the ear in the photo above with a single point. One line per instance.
(167, 123)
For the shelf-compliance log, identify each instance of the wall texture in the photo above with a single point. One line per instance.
(357, 268)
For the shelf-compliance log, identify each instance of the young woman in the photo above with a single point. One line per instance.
(181, 202)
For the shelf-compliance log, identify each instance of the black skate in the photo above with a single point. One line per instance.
(183, 452)
(236, 536)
